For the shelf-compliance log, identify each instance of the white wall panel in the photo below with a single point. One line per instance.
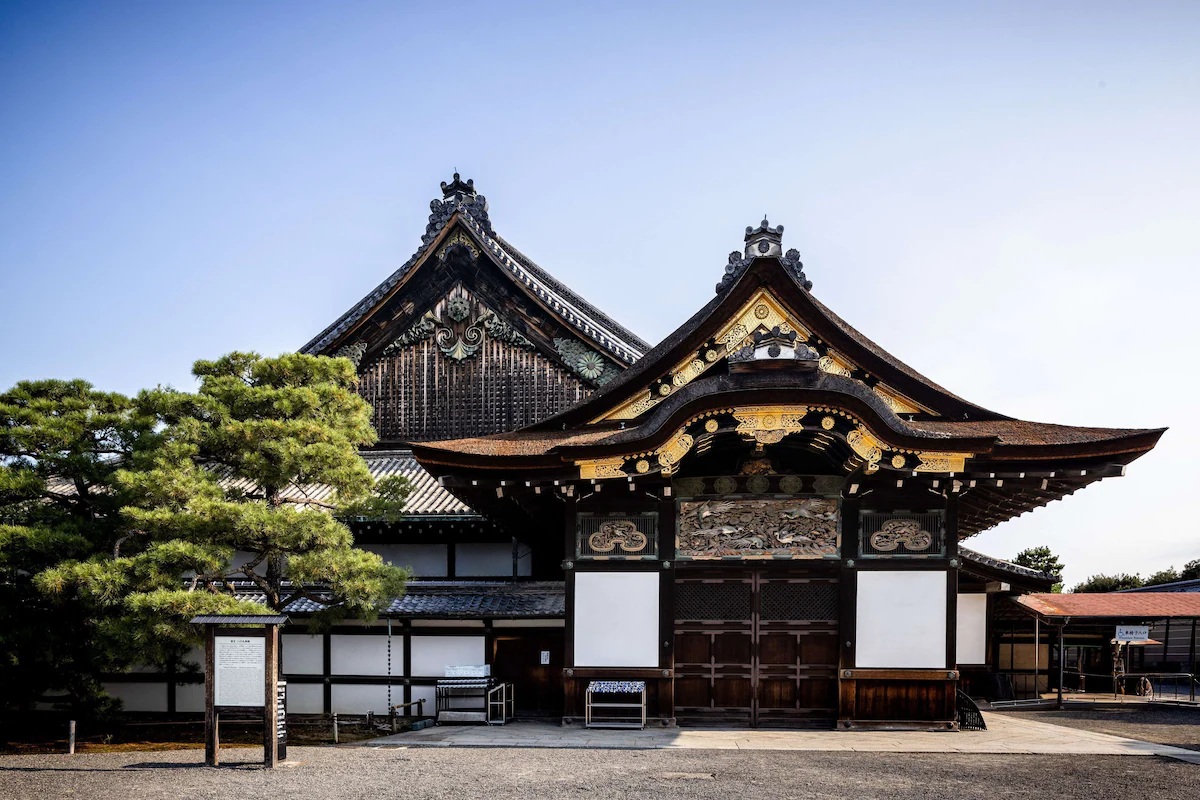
(483, 559)
(971, 638)
(365, 655)
(305, 698)
(195, 657)
(418, 692)
(616, 619)
(361, 698)
(425, 560)
(432, 654)
(303, 654)
(189, 697)
(139, 696)
(901, 619)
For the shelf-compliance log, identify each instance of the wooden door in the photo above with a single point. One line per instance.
(516, 659)
(755, 650)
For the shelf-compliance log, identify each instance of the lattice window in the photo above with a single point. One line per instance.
(726, 600)
(901, 535)
(810, 600)
(617, 536)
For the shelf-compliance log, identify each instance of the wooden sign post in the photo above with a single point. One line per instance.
(241, 670)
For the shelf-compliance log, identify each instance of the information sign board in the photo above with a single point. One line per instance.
(240, 663)
(1132, 633)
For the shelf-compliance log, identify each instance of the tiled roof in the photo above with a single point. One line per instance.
(456, 599)
(1140, 605)
(472, 211)
(1192, 585)
(427, 497)
(543, 599)
(972, 556)
(1022, 432)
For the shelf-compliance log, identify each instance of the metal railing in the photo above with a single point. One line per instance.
(1155, 686)
(501, 704)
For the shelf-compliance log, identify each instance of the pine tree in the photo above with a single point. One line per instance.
(233, 487)
(1043, 560)
(61, 445)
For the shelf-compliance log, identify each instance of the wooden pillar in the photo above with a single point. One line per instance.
(951, 526)
(1166, 646)
(1192, 662)
(211, 734)
(1061, 660)
(666, 601)
(270, 687)
(847, 605)
(327, 670)
(570, 698)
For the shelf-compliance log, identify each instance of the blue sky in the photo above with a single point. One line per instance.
(1004, 195)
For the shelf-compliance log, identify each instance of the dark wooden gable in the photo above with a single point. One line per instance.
(470, 337)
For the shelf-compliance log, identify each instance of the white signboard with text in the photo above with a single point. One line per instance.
(240, 670)
(1132, 633)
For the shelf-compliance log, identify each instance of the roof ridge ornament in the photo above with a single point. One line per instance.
(457, 188)
(456, 196)
(763, 242)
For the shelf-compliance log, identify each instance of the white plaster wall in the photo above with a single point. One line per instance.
(189, 697)
(430, 707)
(616, 619)
(425, 560)
(195, 656)
(432, 654)
(360, 698)
(971, 638)
(139, 696)
(365, 655)
(901, 619)
(303, 654)
(483, 558)
(305, 698)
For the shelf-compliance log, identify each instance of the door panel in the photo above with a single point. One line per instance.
(755, 648)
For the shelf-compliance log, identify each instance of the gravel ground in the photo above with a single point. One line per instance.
(504, 774)
(1173, 725)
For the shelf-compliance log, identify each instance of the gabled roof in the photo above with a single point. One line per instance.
(724, 372)
(462, 206)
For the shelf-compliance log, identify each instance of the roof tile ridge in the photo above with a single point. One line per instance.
(984, 558)
(528, 263)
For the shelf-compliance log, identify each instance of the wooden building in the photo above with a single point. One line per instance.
(760, 516)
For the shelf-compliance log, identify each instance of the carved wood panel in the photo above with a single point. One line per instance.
(419, 394)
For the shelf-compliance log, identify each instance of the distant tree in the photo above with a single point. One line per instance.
(1168, 575)
(1109, 583)
(1190, 571)
(224, 498)
(1041, 559)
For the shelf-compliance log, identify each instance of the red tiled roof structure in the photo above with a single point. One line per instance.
(1141, 605)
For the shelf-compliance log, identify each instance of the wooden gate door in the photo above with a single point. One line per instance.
(517, 659)
(755, 648)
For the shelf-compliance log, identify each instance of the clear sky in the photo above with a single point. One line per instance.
(1005, 195)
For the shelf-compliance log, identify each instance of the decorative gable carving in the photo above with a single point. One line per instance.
(458, 325)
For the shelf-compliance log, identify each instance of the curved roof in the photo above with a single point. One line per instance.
(462, 205)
